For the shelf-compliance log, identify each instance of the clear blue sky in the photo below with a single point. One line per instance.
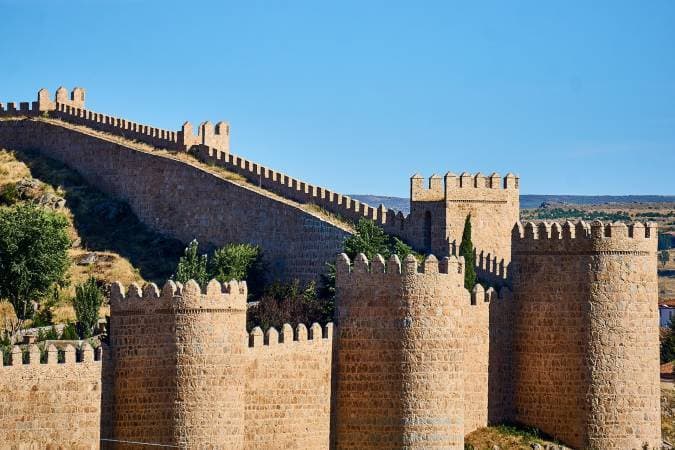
(575, 97)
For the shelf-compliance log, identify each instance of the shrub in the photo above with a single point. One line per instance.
(238, 262)
(371, 240)
(9, 194)
(192, 266)
(33, 255)
(235, 261)
(87, 302)
(69, 333)
(289, 303)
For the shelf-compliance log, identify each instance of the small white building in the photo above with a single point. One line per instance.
(666, 312)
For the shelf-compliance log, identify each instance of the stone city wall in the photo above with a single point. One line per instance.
(288, 388)
(70, 108)
(586, 333)
(46, 403)
(184, 201)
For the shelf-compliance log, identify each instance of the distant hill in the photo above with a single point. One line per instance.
(529, 201)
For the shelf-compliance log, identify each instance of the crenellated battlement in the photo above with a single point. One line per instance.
(175, 296)
(71, 355)
(597, 236)
(451, 265)
(438, 189)
(316, 334)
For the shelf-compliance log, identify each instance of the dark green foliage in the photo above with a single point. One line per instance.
(289, 303)
(43, 316)
(467, 251)
(192, 266)
(69, 333)
(33, 255)
(668, 344)
(231, 262)
(49, 334)
(9, 194)
(370, 240)
(239, 262)
(87, 302)
(573, 213)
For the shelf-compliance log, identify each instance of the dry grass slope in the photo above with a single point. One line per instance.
(123, 248)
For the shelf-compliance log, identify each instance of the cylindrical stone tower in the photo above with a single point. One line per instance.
(178, 359)
(586, 333)
(623, 338)
(211, 340)
(399, 378)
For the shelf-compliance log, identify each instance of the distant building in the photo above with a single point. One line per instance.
(666, 311)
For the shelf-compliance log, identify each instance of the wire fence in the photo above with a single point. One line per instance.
(141, 444)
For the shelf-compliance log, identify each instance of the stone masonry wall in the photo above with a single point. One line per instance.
(186, 202)
(179, 364)
(288, 388)
(399, 375)
(44, 404)
(586, 333)
(444, 203)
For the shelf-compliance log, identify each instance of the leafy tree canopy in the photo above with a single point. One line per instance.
(33, 255)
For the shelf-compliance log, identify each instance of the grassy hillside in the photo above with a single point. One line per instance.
(108, 240)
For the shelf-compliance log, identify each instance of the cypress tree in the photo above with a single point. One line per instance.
(466, 250)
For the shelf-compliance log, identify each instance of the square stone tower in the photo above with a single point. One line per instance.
(438, 212)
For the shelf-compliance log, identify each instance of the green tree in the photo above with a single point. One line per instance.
(370, 240)
(192, 266)
(233, 261)
(87, 302)
(668, 343)
(33, 255)
(466, 250)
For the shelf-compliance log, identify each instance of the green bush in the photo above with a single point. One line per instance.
(192, 266)
(69, 333)
(87, 302)
(9, 194)
(239, 262)
(370, 239)
(289, 303)
(33, 255)
(235, 261)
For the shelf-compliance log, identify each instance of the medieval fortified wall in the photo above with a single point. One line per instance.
(562, 334)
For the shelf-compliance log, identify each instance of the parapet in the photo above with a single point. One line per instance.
(569, 237)
(70, 355)
(437, 188)
(217, 137)
(174, 297)
(271, 338)
(450, 265)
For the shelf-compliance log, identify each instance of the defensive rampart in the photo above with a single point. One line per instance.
(51, 402)
(288, 388)
(586, 333)
(187, 373)
(70, 108)
(185, 201)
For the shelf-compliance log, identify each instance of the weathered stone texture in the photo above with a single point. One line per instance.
(288, 388)
(586, 333)
(438, 211)
(399, 378)
(44, 404)
(186, 202)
